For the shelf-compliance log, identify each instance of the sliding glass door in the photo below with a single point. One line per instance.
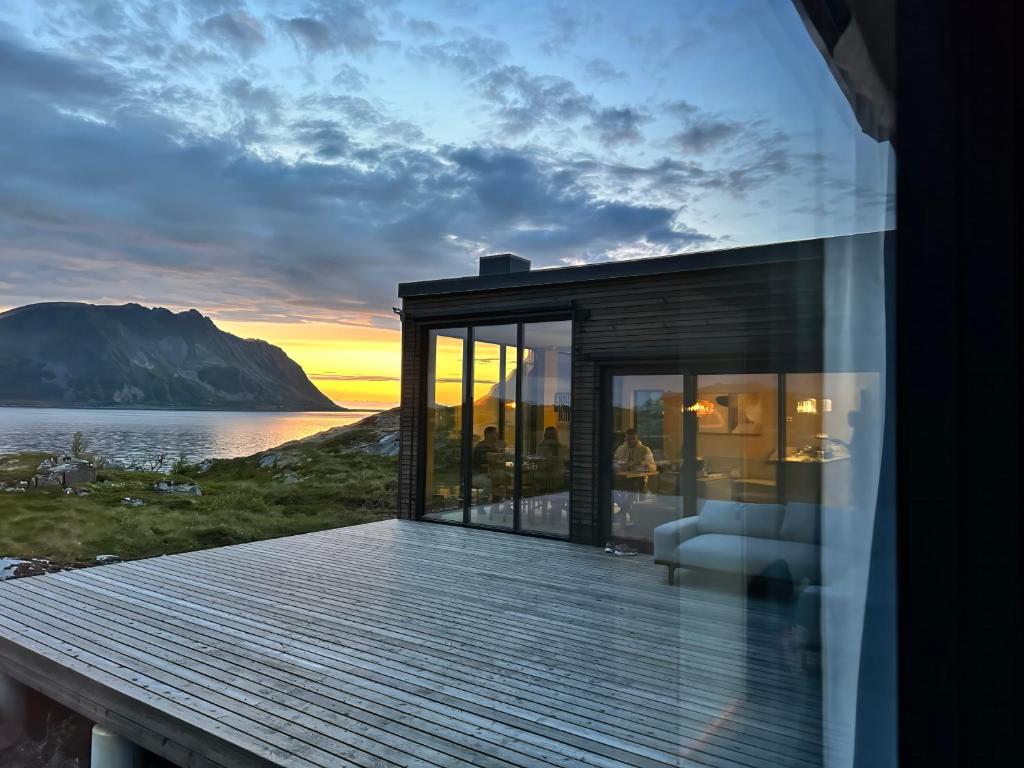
(493, 426)
(676, 440)
(498, 422)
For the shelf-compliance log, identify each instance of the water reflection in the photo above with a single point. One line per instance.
(128, 435)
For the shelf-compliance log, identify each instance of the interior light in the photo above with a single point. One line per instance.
(701, 408)
(810, 406)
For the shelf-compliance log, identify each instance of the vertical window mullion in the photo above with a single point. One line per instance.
(467, 426)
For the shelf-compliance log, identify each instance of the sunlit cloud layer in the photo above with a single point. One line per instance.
(281, 166)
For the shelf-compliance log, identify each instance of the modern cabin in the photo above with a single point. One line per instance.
(597, 402)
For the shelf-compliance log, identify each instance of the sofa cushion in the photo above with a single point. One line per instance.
(801, 522)
(761, 521)
(750, 556)
(718, 516)
(740, 518)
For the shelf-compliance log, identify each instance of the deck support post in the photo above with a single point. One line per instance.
(12, 711)
(110, 750)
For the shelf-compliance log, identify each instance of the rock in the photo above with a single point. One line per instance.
(131, 501)
(114, 465)
(77, 491)
(287, 478)
(386, 445)
(205, 465)
(106, 559)
(268, 460)
(45, 481)
(63, 471)
(186, 489)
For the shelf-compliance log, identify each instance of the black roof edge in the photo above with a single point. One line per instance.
(795, 250)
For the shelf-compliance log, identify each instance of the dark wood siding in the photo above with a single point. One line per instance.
(761, 317)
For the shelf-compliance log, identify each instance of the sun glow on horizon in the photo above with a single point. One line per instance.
(355, 366)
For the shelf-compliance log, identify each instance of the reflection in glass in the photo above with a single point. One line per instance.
(492, 487)
(444, 495)
(647, 455)
(546, 414)
(737, 442)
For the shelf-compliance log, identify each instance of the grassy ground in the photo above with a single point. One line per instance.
(318, 485)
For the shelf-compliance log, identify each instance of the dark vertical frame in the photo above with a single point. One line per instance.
(467, 424)
(958, 278)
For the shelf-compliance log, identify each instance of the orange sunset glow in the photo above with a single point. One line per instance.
(356, 366)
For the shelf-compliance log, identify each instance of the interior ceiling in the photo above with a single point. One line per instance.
(858, 40)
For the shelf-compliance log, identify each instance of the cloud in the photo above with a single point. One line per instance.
(704, 134)
(524, 101)
(618, 125)
(55, 76)
(334, 25)
(602, 71)
(469, 55)
(252, 98)
(562, 29)
(326, 138)
(347, 76)
(236, 29)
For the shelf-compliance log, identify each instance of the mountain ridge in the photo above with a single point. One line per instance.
(72, 354)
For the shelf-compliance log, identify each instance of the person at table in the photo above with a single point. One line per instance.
(482, 463)
(551, 459)
(633, 456)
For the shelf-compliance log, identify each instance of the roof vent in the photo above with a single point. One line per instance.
(503, 264)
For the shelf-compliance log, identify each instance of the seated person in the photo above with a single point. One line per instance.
(634, 456)
(551, 455)
(481, 463)
(631, 456)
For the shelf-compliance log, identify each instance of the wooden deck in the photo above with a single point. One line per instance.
(412, 644)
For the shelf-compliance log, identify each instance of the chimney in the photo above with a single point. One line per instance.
(503, 264)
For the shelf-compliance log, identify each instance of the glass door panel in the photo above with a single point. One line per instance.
(492, 466)
(737, 437)
(545, 418)
(646, 464)
(444, 496)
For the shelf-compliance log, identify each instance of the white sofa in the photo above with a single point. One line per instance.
(739, 537)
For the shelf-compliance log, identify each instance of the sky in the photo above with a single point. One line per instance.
(281, 165)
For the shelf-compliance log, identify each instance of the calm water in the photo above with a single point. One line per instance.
(136, 435)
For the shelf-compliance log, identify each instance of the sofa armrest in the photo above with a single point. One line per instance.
(670, 535)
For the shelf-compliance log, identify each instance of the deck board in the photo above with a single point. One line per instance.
(409, 644)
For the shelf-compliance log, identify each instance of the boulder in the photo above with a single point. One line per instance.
(45, 481)
(268, 460)
(63, 471)
(185, 489)
(131, 501)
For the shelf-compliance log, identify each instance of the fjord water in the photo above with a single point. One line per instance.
(134, 435)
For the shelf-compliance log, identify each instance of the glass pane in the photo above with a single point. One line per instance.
(822, 413)
(492, 487)
(647, 455)
(738, 437)
(444, 496)
(546, 419)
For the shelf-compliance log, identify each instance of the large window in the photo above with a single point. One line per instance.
(443, 437)
(498, 426)
(546, 411)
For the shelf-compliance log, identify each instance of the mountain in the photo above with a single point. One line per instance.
(66, 354)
